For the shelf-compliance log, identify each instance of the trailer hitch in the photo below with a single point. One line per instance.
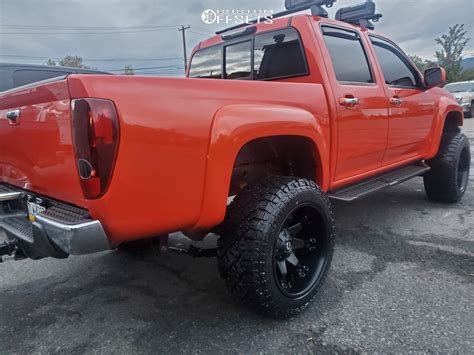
(8, 247)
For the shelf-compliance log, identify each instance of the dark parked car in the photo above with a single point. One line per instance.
(13, 75)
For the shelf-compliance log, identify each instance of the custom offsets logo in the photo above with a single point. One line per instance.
(237, 17)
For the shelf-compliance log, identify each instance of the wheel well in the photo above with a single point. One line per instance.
(278, 155)
(453, 120)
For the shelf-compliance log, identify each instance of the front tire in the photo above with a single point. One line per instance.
(277, 245)
(449, 175)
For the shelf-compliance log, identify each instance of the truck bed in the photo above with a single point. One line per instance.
(165, 134)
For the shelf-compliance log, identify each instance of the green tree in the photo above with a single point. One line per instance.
(69, 61)
(128, 70)
(72, 61)
(450, 56)
(467, 74)
(422, 64)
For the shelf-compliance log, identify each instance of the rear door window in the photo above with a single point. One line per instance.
(279, 54)
(25, 77)
(348, 56)
(207, 63)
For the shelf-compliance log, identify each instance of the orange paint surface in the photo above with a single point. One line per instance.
(179, 137)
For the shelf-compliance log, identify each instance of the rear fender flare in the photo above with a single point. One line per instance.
(234, 126)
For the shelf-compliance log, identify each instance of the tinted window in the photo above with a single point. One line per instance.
(238, 61)
(279, 54)
(24, 77)
(348, 56)
(396, 69)
(207, 63)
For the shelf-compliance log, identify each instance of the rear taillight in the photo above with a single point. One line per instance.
(95, 134)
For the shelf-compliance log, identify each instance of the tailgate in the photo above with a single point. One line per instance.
(36, 151)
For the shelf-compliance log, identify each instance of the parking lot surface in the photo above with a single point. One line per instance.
(401, 280)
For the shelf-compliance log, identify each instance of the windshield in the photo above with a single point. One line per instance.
(464, 87)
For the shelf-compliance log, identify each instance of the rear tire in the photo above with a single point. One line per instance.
(449, 175)
(277, 245)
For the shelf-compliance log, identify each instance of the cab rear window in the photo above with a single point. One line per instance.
(207, 63)
(267, 56)
(238, 60)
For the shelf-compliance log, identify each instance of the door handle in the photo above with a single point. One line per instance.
(349, 101)
(396, 101)
(13, 117)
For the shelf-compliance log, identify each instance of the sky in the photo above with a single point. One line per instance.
(110, 34)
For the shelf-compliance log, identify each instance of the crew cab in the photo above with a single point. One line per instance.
(273, 121)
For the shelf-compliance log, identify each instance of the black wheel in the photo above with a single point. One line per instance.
(449, 175)
(277, 245)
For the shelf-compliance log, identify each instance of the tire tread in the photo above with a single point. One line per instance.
(440, 182)
(242, 247)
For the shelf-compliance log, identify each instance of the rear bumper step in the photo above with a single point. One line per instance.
(59, 231)
(373, 185)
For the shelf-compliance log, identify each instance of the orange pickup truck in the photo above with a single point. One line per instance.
(273, 121)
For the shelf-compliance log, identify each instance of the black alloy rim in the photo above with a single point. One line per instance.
(300, 251)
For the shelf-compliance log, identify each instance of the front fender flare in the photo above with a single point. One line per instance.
(234, 126)
(446, 106)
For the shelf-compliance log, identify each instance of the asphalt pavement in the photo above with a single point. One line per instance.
(402, 280)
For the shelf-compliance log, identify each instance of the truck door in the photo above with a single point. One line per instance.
(362, 109)
(412, 109)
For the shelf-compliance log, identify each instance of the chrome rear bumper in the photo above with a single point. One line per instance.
(61, 230)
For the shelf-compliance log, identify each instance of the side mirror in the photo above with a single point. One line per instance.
(435, 77)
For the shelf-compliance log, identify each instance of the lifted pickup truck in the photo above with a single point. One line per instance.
(320, 109)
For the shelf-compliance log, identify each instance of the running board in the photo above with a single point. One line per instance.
(368, 187)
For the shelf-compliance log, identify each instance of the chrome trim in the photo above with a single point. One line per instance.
(48, 236)
(9, 196)
(75, 239)
(349, 101)
(396, 101)
(14, 114)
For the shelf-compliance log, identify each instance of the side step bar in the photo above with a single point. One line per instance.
(368, 187)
